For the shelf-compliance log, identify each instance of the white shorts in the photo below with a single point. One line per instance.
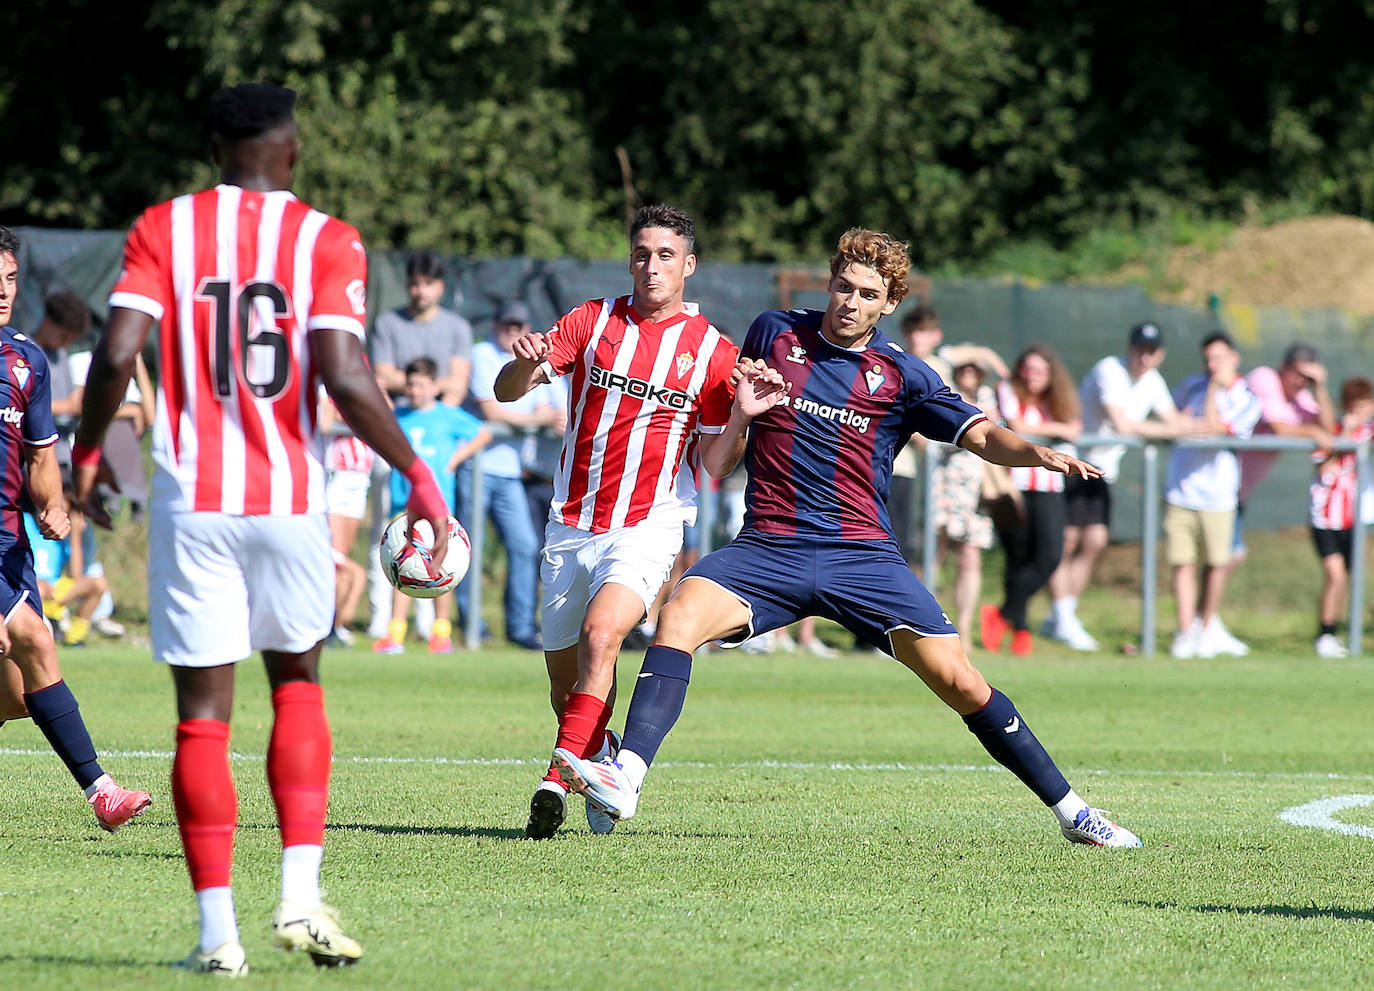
(577, 563)
(345, 493)
(221, 587)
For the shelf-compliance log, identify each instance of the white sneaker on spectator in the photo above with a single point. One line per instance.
(1049, 629)
(1203, 645)
(782, 640)
(819, 648)
(760, 644)
(108, 627)
(1219, 638)
(1329, 647)
(1072, 633)
(1185, 644)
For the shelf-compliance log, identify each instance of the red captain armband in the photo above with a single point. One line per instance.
(85, 457)
(425, 498)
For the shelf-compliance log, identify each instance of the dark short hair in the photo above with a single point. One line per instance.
(69, 311)
(917, 315)
(425, 265)
(248, 110)
(9, 242)
(669, 218)
(1219, 335)
(1356, 389)
(423, 366)
(1299, 352)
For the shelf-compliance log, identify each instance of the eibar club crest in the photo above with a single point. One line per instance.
(874, 377)
(685, 361)
(20, 371)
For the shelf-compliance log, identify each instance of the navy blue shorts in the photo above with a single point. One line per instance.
(17, 581)
(864, 585)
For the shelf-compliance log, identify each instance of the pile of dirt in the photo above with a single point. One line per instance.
(1314, 262)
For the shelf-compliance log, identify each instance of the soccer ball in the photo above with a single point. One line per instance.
(410, 568)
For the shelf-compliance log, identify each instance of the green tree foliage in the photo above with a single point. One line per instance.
(480, 127)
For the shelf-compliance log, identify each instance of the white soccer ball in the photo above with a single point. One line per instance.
(410, 567)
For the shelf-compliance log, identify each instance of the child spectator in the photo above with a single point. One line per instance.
(1335, 498)
(62, 582)
(348, 474)
(444, 437)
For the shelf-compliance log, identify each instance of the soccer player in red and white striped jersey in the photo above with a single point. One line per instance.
(651, 379)
(260, 298)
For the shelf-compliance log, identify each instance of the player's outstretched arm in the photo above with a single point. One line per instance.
(112, 363)
(1005, 447)
(353, 387)
(522, 373)
(758, 389)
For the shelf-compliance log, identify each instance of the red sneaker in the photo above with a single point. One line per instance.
(440, 645)
(992, 628)
(388, 646)
(114, 806)
(1021, 643)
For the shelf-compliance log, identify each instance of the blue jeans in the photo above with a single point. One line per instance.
(505, 504)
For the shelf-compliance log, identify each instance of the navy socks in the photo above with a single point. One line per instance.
(55, 712)
(656, 704)
(1003, 733)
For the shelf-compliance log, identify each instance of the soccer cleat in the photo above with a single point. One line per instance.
(603, 781)
(1021, 643)
(599, 820)
(225, 960)
(317, 932)
(1094, 828)
(114, 806)
(992, 628)
(440, 645)
(1330, 648)
(386, 645)
(548, 808)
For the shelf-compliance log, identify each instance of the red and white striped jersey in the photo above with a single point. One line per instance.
(238, 279)
(348, 453)
(1027, 479)
(1335, 486)
(639, 393)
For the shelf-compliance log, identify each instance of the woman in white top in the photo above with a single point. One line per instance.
(1039, 399)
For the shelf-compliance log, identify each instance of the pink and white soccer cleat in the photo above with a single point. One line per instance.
(114, 806)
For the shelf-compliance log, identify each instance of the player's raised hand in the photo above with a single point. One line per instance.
(534, 346)
(758, 388)
(1061, 462)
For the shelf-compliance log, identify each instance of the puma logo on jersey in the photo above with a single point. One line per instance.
(604, 378)
(11, 415)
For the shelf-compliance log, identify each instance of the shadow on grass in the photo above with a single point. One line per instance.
(1280, 911)
(144, 854)
(101, 962)
(389, 830)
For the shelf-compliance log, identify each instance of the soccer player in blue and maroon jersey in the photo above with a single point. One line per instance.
(817, 538)
(32, 683)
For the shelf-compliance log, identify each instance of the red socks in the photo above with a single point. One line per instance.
(584, 721)
(206, 804)
(298, 757)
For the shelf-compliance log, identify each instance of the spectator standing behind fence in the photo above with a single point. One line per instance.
(503, 485)
(956, 498)
(1294, 402)
(1120, 395)
(1335, 499)
(424, 329)
(1038, 399)
(1201, 489)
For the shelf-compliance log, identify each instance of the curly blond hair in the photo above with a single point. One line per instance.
(883, 253)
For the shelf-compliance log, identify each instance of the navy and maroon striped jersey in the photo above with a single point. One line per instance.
(820, 462)
(25, 418)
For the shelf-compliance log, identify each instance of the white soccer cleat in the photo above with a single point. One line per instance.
(1094, 828)
(603, 781)
(1216, 636)
(1330, 648)
(599, 820)
(225, 960)
(315, 931)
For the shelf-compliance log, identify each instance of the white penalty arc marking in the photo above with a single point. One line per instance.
(768, 765)
(1321, 815)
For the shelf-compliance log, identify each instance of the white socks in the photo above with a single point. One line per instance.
(1065, 609)
(634, 767)
(217, 924)
(1068, 807)
(97, 784)
(300, 875)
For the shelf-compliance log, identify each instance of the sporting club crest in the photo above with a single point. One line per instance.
(685, 361)
(20, 371)
(874, 377)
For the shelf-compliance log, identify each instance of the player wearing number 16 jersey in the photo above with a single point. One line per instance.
(260, 298)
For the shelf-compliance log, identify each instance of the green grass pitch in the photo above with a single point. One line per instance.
(810, 824)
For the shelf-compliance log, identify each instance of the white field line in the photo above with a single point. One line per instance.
(1321, 814)
(778, 765)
